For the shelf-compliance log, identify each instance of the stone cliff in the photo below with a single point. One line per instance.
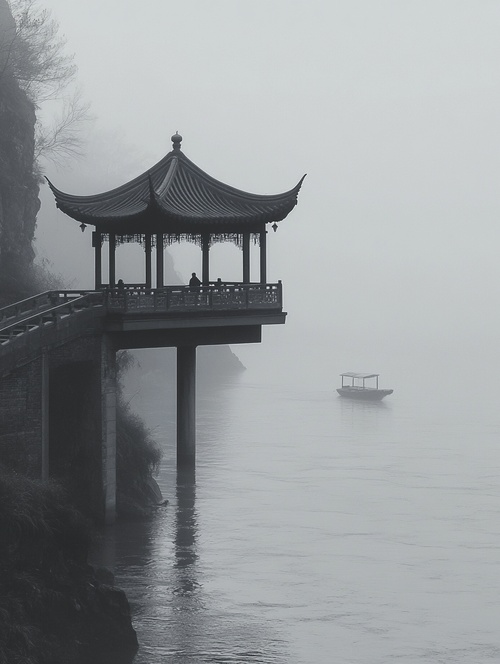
(19, 184)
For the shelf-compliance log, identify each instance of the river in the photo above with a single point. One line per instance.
(319, 529)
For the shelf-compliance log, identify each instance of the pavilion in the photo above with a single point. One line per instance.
(176, 201)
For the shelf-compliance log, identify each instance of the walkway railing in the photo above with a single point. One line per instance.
(176, 299)
(48, 318)
(32, 305)
(43, 308)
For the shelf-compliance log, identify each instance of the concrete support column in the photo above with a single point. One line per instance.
(246, 258)
(186, 406)
(263, 255)
(45, 416)
(147, 249)
(108, 428)
(159, 260)
(112, 262)
(205, 263)
(97, 244)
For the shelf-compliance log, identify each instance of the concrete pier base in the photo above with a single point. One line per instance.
(108, 440)
(45, 387)
(186, 406)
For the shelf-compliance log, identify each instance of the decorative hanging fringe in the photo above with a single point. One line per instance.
(174, 238)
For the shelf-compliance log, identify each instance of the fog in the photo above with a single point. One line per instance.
(389, 261)
(318, 526)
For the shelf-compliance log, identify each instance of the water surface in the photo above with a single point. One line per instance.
(319, 529)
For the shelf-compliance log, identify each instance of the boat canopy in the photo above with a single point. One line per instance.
(361, 376)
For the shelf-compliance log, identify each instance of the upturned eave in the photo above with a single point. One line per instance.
(175, 196)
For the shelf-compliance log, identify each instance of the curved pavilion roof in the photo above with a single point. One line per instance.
(177, 197)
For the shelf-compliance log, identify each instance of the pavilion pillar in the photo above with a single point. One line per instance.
(97, 244)
(159, 260)
(263, 255)
(186, 406)
(147, 249)
(246, 258)
(112, 260)
(205, 259)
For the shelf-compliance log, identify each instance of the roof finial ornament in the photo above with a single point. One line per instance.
(176, 141)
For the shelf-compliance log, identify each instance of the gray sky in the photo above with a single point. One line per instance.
(390, 106)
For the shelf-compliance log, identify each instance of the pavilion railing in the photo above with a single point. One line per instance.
(175, 299)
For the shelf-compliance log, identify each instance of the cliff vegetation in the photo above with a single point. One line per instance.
(54, 607)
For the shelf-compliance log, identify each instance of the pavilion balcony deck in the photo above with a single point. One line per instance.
(173, 313)
(179, 300)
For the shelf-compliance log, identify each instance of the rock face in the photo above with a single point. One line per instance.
(54, 607)
(19, 187)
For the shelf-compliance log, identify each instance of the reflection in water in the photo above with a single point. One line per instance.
(186, 603)
(177, 616)
(363, 419)
(185, 521)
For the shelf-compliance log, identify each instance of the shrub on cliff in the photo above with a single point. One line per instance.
(137, 455)
(39, 527)
(137, 459)
(53, 608)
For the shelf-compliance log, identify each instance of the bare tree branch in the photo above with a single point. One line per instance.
(33, 53)
(62, 140)
(36, 53)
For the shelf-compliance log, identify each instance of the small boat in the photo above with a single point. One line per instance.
(357, 389)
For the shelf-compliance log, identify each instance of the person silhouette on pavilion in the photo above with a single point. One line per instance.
(194, 282)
